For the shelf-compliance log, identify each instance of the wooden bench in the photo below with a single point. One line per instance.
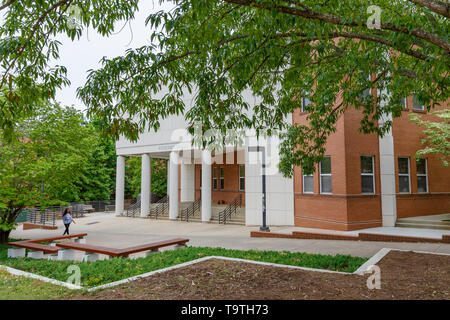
(92, 251)
(38, 250)
(78, 236)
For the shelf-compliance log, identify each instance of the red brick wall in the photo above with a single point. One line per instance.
(347, 208)
(407, 140)
(231, 181)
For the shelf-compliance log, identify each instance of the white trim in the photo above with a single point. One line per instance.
(21, 273)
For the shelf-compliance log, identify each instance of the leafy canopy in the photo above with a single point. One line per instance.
(277, 50)
(437, 135)
(29, 73)
(55, 157)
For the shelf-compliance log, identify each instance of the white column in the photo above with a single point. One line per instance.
(206, 186)
(168, 177)
(187, 182)
(387, 176)
(120, 184)
(146, 172)
(173, 191)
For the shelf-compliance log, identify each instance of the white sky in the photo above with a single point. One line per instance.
(84, 54)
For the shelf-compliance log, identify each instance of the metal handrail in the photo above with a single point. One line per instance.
(191, 210)
(43, 216)
(133, 209)
(226, 213)
(161, 206)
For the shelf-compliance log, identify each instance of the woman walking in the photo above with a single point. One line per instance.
(67, 220)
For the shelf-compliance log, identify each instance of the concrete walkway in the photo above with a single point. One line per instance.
(121, 232)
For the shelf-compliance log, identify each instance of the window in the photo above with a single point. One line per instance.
(367, 91)
(405, 103)
(417, 105)
(367, 174)
(325, 175)
(308, 183)
(404, 184)
(305, 101)
(214, 179)
(422, 175)
(222, 178)
(241, 177)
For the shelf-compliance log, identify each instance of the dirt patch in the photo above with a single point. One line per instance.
(404, 275)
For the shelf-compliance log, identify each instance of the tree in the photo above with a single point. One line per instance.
(437, 135)
(41, 165)
(278, 50)
(28, 49)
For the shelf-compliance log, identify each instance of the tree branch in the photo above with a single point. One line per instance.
(439, 7)
(314, 15)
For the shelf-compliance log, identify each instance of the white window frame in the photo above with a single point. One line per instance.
(325, 175)
(405, 103)
(241, 177)
(221, 178)
(303, 182)
(423, 175)
(214, 178)
(423, 107)
(307, 95)
(405, 175)
(363, 95)
(368, 174)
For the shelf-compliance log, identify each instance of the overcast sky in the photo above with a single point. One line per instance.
(84, 54)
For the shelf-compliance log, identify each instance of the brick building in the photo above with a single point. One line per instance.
(364, 181)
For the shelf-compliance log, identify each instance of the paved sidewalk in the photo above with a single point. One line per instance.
(121, 232)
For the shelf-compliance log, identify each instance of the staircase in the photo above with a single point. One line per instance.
(134, 209)
(159, 209)
(226, 215)
(190, 211)
(441, 221)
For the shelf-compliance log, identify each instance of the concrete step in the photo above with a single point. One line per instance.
(424, 221)
(422, 225)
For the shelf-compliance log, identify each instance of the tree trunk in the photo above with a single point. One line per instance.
(4, 236)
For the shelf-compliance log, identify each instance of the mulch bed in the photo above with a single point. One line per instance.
(404, 275)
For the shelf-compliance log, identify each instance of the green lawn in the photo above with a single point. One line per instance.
(101, 272)
(23, 288)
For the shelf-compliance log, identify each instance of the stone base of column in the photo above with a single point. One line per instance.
(152, 252)
(35, 254)
(66, 254)
(90, 257)
(16, 252)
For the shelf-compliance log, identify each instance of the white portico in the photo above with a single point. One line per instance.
(207, 182)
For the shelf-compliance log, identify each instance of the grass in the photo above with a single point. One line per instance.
(23, 288)
(105, 271)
